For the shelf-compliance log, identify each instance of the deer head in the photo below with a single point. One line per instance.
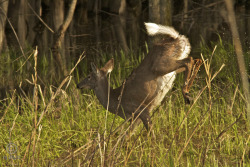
(97, 76)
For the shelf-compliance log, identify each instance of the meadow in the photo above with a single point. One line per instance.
(63, 126)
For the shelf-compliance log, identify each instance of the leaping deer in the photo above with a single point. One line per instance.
(148, 84)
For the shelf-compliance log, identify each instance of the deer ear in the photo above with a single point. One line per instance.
(95, 69)
(109, 66)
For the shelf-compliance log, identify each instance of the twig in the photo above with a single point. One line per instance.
(6, 110)
(235, 93)
(24, 61)
(130, 152)
(209, 78)
(105, 127)
(48, 106)
(125, 132)
(35, 105)
(195, 129)
(76, 152)
(111, 14)
(242, 158)
(28, 147)
(58, 89)
(204, 153)
(99, 144)
(217, 139)
(46, 25)
(117, 109)
(41, 93)
(227, 128)
(190, 109)
(13, 124)
(38, 138)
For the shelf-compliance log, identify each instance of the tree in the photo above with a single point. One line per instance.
(239, 54)
(59, 36)
(3, 16)
(160, 11)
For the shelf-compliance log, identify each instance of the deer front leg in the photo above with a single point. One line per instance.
(191, 71)
(145, 118)
(165, 65)
(195, 69)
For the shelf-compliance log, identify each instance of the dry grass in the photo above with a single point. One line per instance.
(66, 127)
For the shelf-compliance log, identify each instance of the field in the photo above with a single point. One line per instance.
(63, 126)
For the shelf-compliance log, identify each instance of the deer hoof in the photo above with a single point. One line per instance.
(187, 99)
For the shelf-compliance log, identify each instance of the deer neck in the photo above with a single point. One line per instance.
(106, 95)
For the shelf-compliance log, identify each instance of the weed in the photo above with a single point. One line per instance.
(65, 126)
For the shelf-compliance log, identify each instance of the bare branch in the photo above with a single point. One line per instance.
(40, 18)
(60, 34)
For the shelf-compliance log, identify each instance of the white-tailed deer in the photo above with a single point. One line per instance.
(148, 84)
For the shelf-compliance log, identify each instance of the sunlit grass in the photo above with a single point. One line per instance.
(212, 133)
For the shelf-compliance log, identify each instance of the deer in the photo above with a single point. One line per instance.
(149, 83)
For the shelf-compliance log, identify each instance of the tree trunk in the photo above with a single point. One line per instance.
(239, 54)
(166, 12)
(247, 22)
(32, 19)
(185, 10)
(21, 25)
(154, 11)
(59, 36)
(41, 38)
(160, 11)
(82, 12)
(3, 15)
(13, 10)
(133, 18)
(57, 9)
(118, 22)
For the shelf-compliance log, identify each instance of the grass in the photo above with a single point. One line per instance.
(210, 132)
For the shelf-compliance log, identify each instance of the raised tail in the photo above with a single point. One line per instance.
(154, 29)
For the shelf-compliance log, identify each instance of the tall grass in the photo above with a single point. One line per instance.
(210, 132)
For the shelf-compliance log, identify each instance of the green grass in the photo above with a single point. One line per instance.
(211, 132)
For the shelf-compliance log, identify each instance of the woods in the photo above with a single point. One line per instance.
(28, 23)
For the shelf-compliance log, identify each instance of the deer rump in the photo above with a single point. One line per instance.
(148, 84)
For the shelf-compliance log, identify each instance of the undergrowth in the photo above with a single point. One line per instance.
(63, 126)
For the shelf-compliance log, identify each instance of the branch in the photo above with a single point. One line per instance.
(60, 34)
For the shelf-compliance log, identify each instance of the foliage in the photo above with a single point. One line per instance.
(210, 132)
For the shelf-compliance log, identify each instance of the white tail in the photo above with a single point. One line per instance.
(147, 85)
(154, 29)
